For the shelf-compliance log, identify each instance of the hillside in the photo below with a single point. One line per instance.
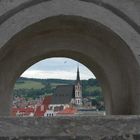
(34, 88)
(30, 83)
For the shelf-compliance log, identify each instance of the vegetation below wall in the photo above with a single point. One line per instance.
(34, 88)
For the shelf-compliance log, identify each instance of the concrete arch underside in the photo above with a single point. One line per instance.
(81, 30)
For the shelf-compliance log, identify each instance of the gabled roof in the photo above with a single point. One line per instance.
(47, 100)
(45, 104)
(38, 112)
(63, 94)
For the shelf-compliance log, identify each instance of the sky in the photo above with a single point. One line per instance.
(57, 68)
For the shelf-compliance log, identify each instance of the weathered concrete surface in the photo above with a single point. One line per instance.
(102, 34)
(69, 128)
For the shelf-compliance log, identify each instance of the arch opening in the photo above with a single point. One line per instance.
(84, 40)
(52, 89)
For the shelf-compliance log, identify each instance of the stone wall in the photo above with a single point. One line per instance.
(71, 128)
(120, 19)
(104, 35)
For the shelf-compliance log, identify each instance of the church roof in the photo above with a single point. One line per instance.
(63, 94)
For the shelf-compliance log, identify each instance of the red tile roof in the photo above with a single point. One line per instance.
(45, 104)
(47, 100)
(68, 110)
(39, 111)
(26, 111)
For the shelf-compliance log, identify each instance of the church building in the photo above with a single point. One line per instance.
(68, 94)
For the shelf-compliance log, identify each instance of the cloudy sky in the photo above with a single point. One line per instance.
(60, 68)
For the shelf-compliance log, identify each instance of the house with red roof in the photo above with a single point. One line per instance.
(38, 110)
(23, 111)
(41, 109)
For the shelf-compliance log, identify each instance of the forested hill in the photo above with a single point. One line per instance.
(44, 81)
(34, 88)
(22, 81)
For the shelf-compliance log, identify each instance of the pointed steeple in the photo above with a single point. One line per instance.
(78, 75)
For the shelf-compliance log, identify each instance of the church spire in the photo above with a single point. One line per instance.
(78, 89)
(78, 75)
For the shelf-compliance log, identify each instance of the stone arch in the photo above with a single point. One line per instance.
(73, 29)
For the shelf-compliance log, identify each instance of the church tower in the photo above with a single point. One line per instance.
(78, 89)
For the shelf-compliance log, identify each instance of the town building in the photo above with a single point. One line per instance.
(67, 95)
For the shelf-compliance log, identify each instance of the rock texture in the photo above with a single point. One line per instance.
(71, 128)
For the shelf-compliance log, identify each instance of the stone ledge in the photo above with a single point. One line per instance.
(135, 137)
(82, 127)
